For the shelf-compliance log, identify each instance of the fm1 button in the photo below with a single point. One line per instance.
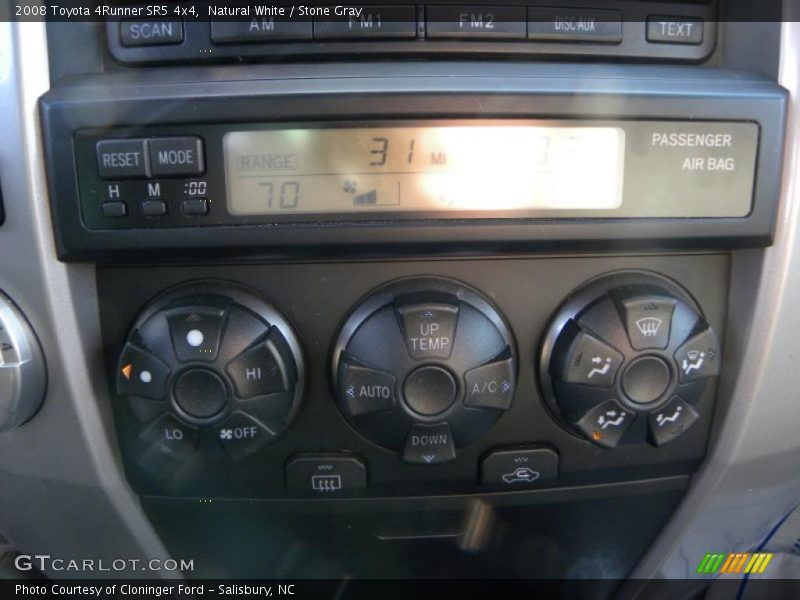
(591, 362)
(257, 372)
(242, 436)
(429, 329)
(519, 468)
(366, 390)
(325, 475)
(648, 320)
(490, 386)
(196, 332)
(699, 357)
(606, 423)
(168, 436)
(671, 421)
(429, 444)
(141, 374)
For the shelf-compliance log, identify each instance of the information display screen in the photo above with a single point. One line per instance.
(490, 167)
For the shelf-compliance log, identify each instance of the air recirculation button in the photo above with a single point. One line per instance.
(209, 369)
(424, 366)
(626, 360)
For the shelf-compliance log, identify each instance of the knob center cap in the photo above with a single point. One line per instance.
(646, 379)
(200, 393)
(430, 390)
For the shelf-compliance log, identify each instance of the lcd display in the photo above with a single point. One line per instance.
(495, 167)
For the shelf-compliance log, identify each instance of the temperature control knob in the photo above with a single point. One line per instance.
(211, 365)
(23, 376)
(424, 366)
(627, 358)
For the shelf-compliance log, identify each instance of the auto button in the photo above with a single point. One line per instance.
(365, 390)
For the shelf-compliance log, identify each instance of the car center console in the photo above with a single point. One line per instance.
(373, 298)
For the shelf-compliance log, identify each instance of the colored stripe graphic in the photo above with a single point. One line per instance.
(710, 563)
(734, 563)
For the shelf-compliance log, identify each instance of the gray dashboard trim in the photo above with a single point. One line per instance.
(750, 480)
(60, 472)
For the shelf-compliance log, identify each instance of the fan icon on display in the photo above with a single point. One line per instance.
(350, 187)
(226, 434)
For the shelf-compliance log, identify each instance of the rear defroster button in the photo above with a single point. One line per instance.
(325, 475)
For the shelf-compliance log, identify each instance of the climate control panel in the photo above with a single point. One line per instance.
(328, 381)
(424, 366)
(626, 360)
(210, 371)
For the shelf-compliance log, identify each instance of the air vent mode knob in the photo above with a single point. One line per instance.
(424, 366)
(626, 360)
(211, 366)
(23, 377)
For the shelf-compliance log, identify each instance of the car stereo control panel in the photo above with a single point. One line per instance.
(617, 29)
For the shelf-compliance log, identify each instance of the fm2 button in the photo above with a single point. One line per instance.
(429, 444)
(591, 361)
(606, 423)
(325, 475)
(429, 329)
(196, 332)
(242, 436)
(366, 390)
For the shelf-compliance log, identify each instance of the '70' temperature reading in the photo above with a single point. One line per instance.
(287, 196)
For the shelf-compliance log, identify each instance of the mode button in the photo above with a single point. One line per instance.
(176, 157)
